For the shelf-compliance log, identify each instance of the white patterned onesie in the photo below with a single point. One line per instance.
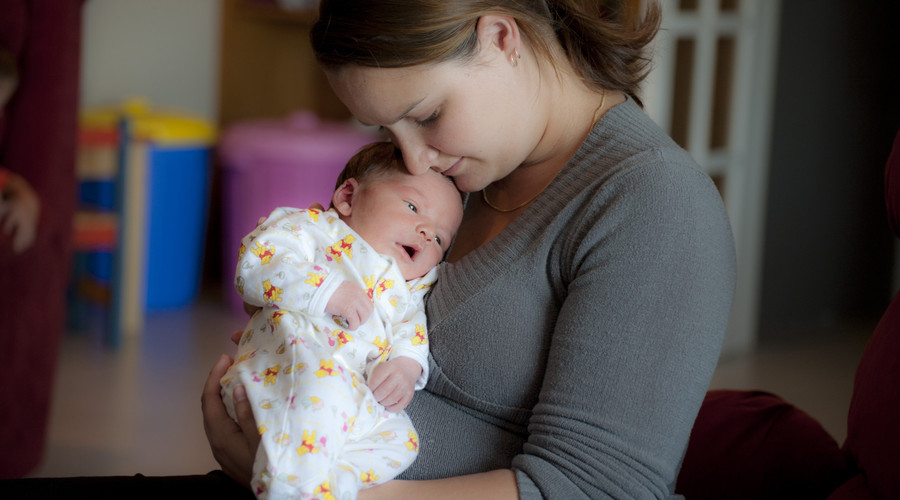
(323, 435)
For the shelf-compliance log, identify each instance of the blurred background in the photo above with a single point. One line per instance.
(791, 106)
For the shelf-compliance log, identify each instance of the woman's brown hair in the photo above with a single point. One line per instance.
(603, 41)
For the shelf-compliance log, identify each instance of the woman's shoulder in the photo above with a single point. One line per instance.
(628, 152)
(628, 135)
(628, 170)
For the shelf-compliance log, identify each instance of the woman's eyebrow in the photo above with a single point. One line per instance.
(400, 117)
(408, 111)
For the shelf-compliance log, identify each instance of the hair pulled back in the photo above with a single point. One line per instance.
(602, 45)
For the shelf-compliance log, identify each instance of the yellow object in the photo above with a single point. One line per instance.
(168, 128)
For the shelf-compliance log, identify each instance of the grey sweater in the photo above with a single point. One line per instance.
(576, 347)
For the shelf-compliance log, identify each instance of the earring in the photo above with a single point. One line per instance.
(514, 58)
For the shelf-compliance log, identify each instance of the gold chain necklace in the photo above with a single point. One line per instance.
(526, 202)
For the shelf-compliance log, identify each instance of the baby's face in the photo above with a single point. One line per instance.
(412, 218)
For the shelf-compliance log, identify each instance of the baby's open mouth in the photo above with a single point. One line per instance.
(409, 251)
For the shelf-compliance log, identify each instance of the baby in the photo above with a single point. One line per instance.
(339, 346)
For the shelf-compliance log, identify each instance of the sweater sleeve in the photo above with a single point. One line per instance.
(649, 278)
(277, 264)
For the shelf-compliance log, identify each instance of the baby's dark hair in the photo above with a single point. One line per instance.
(378, 158)
(375, 158)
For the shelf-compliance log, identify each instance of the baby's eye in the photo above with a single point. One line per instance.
(412, 207)
(437, 239)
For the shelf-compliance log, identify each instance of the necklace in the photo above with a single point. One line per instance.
(529, 200)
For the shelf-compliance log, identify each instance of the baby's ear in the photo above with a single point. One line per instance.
(344, 196)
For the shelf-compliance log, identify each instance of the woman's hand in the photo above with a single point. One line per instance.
(233, 444)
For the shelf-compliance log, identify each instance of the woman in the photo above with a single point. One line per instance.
(577, 323)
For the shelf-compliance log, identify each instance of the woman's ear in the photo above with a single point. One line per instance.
(344, 196)
(499, 32)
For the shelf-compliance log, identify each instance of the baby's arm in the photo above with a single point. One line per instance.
(352, 303)
(394, 381)
(277, 265)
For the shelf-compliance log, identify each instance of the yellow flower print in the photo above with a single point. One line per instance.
(315, 279)
(368, 477)
(323, 491)
(271, 293)
(341, 248)
(326, 368)
(421, 337)
(413, 442)
(270, 374)
(381, 344)
(308, 444)
(264, 253)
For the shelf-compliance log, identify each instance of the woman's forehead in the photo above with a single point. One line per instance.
(383, 96)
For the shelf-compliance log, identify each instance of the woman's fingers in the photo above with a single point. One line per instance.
(210, 401)
(245, 417)
(227, 440)
(250, 309)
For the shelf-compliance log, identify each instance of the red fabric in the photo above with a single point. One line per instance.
(38, 142)
(752, 444)
(873, 424)
(755, 445)
(856, 488)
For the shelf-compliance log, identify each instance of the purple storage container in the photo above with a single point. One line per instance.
(266, 164)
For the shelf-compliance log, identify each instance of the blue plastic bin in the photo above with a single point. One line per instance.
(176, 158)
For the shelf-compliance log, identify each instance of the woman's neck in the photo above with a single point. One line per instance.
(572, 109)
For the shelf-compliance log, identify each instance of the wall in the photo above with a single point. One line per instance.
(165, 50)
(828, 252)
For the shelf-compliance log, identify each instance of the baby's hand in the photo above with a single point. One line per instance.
(352, 303)
(393, 382)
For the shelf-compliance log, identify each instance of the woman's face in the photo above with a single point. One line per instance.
(474, 122)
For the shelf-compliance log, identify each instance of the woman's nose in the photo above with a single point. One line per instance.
(418, 157)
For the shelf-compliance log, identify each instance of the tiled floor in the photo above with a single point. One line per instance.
(137, 409)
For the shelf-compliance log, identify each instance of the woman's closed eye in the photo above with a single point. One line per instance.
(428, 121)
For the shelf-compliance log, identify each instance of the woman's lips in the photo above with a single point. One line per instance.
(453, 168)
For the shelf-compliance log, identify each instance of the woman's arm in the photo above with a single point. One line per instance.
(647, 293)
(496, 484)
